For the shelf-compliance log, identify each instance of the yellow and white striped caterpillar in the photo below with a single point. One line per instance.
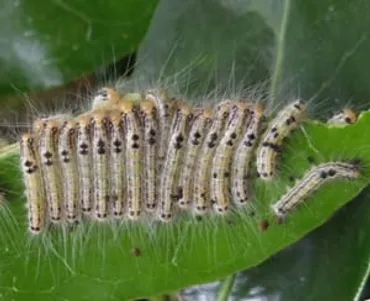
(221, 166)
(244, 154)
(176, 146)
(133, 156)
(201, 124)
(143, 152)
(50, 167)
(312, 181)
(100, 159)
(117, 169)
(202, 198)
(68, 163)
(150, 130)
(280, 127)
(32, 177)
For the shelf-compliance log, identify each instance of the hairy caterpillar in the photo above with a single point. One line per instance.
(68, 162)
(134, 147)
(221, 165)
(242, 164)
(344, 117)
(173, 162)
(48, 145)
(201, 124)
(32, 177)
(313, 180)
(149, 152)
(280, 127)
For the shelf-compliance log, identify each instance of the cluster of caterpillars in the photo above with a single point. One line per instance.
(137, 154)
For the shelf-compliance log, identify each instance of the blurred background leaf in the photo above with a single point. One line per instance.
(50, 50)
(47, 43)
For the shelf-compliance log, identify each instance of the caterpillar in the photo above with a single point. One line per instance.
(242, 164)
(134, 145)
(147, 154)
(32, 177)
(148, 113)
(201, 124)
(280, 127)
(313, 180)
(177, 141)
(84, 163)
(344, 117)
(68, 162)
(117, 169)
(221, 165)
(202, 174)
(49, 164)
(100, 159)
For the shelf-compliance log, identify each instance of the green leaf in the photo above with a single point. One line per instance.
(100, 261)
(49, 43)
(238, 51)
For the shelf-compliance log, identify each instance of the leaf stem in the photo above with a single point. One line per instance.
(226, 288)
(275, 79)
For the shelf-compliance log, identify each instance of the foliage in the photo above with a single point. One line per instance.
(316, 51)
